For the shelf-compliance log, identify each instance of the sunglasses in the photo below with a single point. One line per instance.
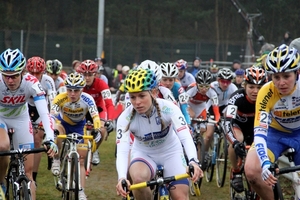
(14, 76)
(203, 86)
(224, 81)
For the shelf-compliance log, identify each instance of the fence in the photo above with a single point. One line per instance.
(119, 49)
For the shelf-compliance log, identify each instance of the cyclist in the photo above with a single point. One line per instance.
(199, 94)
(17, 89)
(153, 122)
(224, 88)
(36, 67)
(169, 74)
(54, 70)
(185, 77)
(99, 90)
(277, 119)
(240, 118)
(70, 109)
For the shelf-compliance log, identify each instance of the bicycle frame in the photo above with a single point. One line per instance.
(70, 162)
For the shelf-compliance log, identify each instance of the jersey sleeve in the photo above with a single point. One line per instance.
(261, 122)
(123, 143)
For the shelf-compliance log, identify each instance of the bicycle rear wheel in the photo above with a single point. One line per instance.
(221, 160)
(209, 172)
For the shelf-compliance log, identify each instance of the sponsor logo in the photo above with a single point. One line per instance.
(265, 100)
(235, 97)
(13, 100)
(31, 78)
(285, 113)
(261, 151)
(87, 100)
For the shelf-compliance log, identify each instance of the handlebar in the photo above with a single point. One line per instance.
(158, 181)
(75, 136)
(200, 120)
(22, 151)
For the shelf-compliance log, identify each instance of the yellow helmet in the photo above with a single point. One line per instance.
(140, 80)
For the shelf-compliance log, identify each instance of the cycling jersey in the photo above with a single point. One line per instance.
(223, 95)
(60, 85)
(182, 99)
(157, 144)
(197, 101)
(49, 88)
(187, 79)
(240, 113)
(276, 114)
(74, 112)
(14, 110)
(99, 90)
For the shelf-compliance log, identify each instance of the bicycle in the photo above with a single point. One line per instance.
(88, 128)
(248, 193)
(17, 183)
(160, 185)
(218, 154)
(69, 178)
(289, 153)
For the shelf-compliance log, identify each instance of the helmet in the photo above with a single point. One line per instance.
(168, 70)
(181, 64)
(12, 61)
(149, 64)
(239, 72)
(54, 66)
(225, 73)
(87, 66)
(296, 44)
(140, 80)
(255, 75)
(282, 59)
(35, 65)
(203, 76)
(75, 80)
(214, 66)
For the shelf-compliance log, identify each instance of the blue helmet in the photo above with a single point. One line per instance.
(12, 61)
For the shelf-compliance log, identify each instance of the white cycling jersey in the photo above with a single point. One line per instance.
(60, 86)
(48, 86)
(150, 140)
(223, 95)
(14, 110)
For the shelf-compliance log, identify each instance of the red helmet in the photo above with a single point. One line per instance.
(87, 66)
(36, 65)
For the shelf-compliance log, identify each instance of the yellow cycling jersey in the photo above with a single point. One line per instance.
(74, 112)
(279, 112)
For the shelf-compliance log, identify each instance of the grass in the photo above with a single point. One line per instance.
(103, 179)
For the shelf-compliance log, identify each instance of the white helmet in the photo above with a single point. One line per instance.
(169, 70)
(149, 64)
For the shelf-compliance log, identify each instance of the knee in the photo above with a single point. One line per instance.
(252, 171)
(139, 177)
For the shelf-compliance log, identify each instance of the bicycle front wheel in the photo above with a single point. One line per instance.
(277, 192)
(200, 149)
(221, 160)
(209, 172)
(24, 192)
(11, 192)
(74, 183)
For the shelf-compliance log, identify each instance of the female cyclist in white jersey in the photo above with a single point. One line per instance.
(153, 123)
(16, 90)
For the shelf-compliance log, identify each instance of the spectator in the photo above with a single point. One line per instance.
(196, 66)
(236, 64)
(239, 78)
(118, 76)
(105, 70)
(287, 39)
(264, 51)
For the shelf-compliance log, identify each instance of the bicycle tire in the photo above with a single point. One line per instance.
(63, 179)
(200, 149)
(277, 192)
(209, 172)
(221, 160)
(24, 192)
(11, 191)
(74, 183)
